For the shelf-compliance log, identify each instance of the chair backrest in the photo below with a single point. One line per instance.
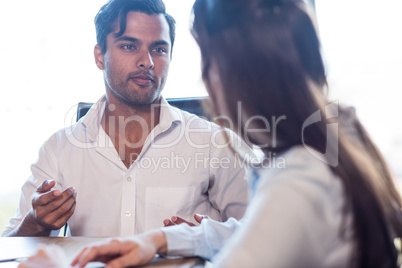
(82, 109)
(191, 105)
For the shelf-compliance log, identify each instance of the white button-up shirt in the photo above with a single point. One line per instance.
(185, 167)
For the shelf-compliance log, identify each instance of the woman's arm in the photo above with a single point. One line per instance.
(116, 253)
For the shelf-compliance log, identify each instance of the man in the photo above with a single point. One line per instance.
(133, 159)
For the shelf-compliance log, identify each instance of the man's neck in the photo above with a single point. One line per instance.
(128, 126)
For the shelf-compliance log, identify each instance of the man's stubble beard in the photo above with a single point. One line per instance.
(131, 96)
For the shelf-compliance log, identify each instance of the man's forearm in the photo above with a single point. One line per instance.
(29, 227)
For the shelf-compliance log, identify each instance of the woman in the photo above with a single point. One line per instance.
(333, 204)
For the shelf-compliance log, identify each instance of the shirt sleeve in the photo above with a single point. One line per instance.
(228, 191)
(204, 240)
(45, 168)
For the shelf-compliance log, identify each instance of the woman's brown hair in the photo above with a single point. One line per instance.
(268, 58)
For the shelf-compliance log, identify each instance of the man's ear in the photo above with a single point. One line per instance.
(99, 57)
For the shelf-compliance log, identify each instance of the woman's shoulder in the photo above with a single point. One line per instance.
(298, 169)
(298, 159)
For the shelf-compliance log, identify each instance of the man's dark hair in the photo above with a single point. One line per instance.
(113, 10)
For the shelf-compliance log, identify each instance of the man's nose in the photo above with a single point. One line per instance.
(145, 61)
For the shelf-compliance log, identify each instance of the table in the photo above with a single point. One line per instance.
(15, 247)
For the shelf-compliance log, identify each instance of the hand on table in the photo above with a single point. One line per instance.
(175, 220)
(138, 250)
(46, 256)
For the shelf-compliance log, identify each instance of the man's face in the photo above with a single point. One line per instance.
(136, 64)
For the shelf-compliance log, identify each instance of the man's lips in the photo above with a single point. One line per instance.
(142, 79)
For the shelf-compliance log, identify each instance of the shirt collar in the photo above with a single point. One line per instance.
(93, 119)
(169, 115)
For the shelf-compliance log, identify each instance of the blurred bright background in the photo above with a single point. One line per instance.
(47, 67)
(362, 46)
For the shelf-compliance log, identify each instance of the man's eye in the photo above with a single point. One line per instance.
(160, 50)
(128, 47)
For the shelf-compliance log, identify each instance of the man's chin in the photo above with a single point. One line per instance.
(141, 100)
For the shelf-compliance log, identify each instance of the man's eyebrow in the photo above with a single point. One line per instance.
(126, 38)
(135, 40)
(161, 43)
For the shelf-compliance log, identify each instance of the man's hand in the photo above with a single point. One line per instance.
(138, 250)
(178, 220)
(49, 256)
(50, 210)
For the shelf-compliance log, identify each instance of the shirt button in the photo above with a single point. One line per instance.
(128, 214)
(129, 179)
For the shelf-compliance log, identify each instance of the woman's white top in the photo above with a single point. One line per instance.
(296, 218)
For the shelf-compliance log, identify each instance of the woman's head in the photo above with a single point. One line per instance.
(265, 56)
(266, 53)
